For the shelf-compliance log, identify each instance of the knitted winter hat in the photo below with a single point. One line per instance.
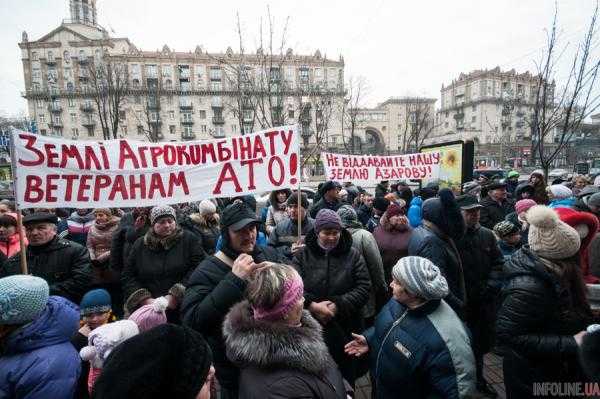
(549, 237)
(8, 219)
(95, 301)
(594, 200)
(207, 207)
(22, 299)
(104, 339)
(152, 315)
(505, 229)
(160, 211)
(106, 211)
(445, 214)
(524, 205)
(293, 200)
(421, 277)
(396, 209)
(327, 219)
(560, 192)
(347, 215)
(168, 361)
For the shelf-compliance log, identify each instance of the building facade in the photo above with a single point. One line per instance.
(492, 108)
(169, 95)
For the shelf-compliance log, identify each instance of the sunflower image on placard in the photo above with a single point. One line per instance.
(450, 165)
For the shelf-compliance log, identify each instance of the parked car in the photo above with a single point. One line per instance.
(489, 173)
(558, 173)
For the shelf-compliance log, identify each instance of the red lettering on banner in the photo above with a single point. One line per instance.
(271, 135)
(90, 156)
(100, 183)
(83, 186)
(51, 155)
(126, 153)
(142, 152)
(70, 151)
(250, 163)
(274, 181)
(30, 141)
(133, 186)
(156, 183)
(332, 160)
(170, 155)
(118, 187)
(178, 180)
(182, 153)
(69, 189)
(227, 174)
(208, 149)
(33, 193)
(104, 157)
(259, 148)
(287, 140)
(224, 152)
(50, 187)
(155, 153)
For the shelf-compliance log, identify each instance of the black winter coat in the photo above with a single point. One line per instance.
(157, 269)
(123, 240)
(364, 214)
(277, 361)
(206, 234)
(430, 242)
(324, 204)
(211, 291)
(493, 213)
(341, 277)
(535, 325)
(64, 264)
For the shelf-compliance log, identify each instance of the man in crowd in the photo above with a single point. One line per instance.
(482, 262)
(380, 205)
(365, 209)
(219, 282)
(331, 198)
(382, 189)
(64, 264)
(285, 235)
(495, 206)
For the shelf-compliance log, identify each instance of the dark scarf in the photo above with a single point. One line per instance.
(156, 243)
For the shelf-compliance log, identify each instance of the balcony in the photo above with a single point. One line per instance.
(187, 121)
(51, 61)
(185, 105)
(188, 136)
(88, 123)
(83, 60)
(218, 135)
(84, 75)
(86, 107)
(218, 120)
(56, 123)
(156, 122)
(55, 108)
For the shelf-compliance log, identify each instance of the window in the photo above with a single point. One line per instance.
(137, 100)
(318, 73)
(172, 129)
(203, 128)
(216, 102)
(446, 124)
(34, 56)
(187, 130)
(219, 132)
(43, 132)
(215, 73)
(66, 57)
(473, 119)
(56, 120)
(140, 130)
(202, 114)
(184, 71)
(135, 69)
(50, 56)
(90, 131)
(124, 130)
(167, 71)
(73, 117)
(291, 114)
(199, 72)
(304, 73)
(82, 56)
(138, 115)
(186, 117)
(75, 132)
(474, 108)
(151, 71)
(289, 73)
(35, 73)
(71, 102)
(234, 128)
(40, 103)
(168, 84)
(215, 86)
(42, 118)
(136, 83)
(171, 114)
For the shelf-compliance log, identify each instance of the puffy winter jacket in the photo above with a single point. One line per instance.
(420, 353)
(157, 269)
(415, 215)
(64, 264)
(535, 325)
(278, 361)
(286, 233)
(211, 291)
(38, 360)
(207, 233)
(562, 203)
(323, 204)
(429, 242)
(341, 277)
(493, 213)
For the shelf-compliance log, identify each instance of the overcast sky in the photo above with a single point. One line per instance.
(400, 47)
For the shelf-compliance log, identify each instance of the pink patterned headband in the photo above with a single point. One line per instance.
(293, 291)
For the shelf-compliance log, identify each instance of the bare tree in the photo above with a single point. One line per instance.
(557, 116)
(419, 123)
(352, 120)
(150, 119)
(109, 82)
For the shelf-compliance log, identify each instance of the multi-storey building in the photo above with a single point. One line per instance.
(169, 95)
(397, 125)
(492, 108)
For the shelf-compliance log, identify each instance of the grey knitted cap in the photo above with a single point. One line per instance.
(421, 277)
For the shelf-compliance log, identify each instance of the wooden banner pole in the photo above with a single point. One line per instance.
(13, 170)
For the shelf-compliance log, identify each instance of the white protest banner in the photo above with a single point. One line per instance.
(52, 172)
(374, 168)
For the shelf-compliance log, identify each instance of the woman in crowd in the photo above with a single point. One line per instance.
(544, 307)
(560, 196)
(365, 243)
(168, 361)
(418, 347)
(518, 217)
(7, 206)
(540, 195)
(9, 237)
(336, 285)
(205, 225)
(160, 262)
(509, 238)
(132, 226)
(392, 237)
(96, 310)
(579, 183)
(279, 346)
(276, 212)
(99, 242)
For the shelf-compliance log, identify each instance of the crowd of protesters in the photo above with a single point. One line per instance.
(411, 287)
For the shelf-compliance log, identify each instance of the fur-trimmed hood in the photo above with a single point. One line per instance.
(202, 222)
(252, 343)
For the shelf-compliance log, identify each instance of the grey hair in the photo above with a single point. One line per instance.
(266, 288)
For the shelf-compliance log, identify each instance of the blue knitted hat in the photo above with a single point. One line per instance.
(22, 299)
(95, 301)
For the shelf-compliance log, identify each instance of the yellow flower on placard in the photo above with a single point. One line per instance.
(450, 159)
